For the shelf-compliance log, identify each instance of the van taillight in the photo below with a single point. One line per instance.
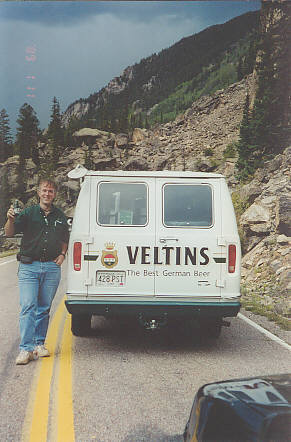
(231, 258)
(77, 256)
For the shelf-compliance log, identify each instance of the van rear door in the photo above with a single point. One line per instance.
(122, 224)
(188, 227)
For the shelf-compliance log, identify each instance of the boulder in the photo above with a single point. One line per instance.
(121, 141)
(106, 164)
(274, 164)
(136, 164)
(251, 241)
(139, 135)
(260, 228)
(283, 215)
(255, 214)
(88, 132)
(275, 265)
(282, 239)
(251, 191)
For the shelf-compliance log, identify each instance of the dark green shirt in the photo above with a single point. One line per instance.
(42, 235)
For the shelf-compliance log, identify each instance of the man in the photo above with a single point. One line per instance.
(42, 252)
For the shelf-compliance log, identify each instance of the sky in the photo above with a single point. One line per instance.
(72, 49)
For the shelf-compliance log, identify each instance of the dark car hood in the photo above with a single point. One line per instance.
(265, 391)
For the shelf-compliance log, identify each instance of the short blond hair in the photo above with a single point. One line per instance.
(50, 181)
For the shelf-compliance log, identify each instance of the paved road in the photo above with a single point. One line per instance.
(121, 383)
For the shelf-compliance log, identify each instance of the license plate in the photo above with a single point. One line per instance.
(110, 279)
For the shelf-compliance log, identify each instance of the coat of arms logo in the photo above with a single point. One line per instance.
(109, 256)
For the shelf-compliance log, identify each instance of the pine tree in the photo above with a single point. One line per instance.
(239, 69)
(139, 121)
(55, 133)
(132, 122)
(246, 64)
(245, 164)
(55, 129)
(265, 112)
(5, 196)
(21, 179)
(251, 57)
(28, 134)
(89, 163)
(5, 137)
(73, 126)
(259, 128)
(124, 123)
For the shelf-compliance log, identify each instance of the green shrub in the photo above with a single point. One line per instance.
(230, 151)
(208, 152)
(240, 204)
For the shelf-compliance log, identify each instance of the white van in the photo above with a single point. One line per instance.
(158, 246)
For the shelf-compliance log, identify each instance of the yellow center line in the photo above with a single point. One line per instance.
(36, 421)
(65, 417)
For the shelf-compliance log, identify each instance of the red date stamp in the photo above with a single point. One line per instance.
(30, 57)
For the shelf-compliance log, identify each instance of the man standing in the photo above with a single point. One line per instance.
(42, 252)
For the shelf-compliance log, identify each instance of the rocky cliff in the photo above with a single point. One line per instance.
(275, 47)
(81, 107)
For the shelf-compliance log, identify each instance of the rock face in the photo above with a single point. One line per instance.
(77, 110)
(266, 227)
(114, 87)
(275, 18)
(283, 214)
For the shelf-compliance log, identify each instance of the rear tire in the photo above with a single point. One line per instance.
(81, 325)
(211, 328)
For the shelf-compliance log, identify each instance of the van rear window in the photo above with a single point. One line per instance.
(187, 205)
(122, 204)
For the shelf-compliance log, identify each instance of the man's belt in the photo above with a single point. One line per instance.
(28, 260)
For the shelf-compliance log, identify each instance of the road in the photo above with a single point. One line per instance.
(121, 384)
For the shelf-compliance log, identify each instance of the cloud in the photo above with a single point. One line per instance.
(53, 13)
(70, 13)
(81, 46)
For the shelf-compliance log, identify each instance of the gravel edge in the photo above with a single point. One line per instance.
(268, 325)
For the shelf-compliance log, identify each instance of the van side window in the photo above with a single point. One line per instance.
(187, 205)
(122, 204)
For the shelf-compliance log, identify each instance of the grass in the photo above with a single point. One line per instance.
(258, 308)
(8, 253)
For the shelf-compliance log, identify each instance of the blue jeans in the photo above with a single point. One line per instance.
(38, 283)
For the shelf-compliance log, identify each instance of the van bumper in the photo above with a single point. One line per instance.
(154, 308)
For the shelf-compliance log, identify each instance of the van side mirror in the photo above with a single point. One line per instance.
(70, 222)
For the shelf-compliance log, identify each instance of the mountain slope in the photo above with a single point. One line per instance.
(153, 79)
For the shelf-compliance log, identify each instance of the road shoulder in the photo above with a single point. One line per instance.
(268, 325)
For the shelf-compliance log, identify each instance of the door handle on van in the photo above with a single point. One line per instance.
(163, 240)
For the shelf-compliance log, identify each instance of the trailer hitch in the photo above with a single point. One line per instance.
(154, 323)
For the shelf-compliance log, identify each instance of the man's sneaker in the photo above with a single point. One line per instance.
(41, 351)
(24, 357)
